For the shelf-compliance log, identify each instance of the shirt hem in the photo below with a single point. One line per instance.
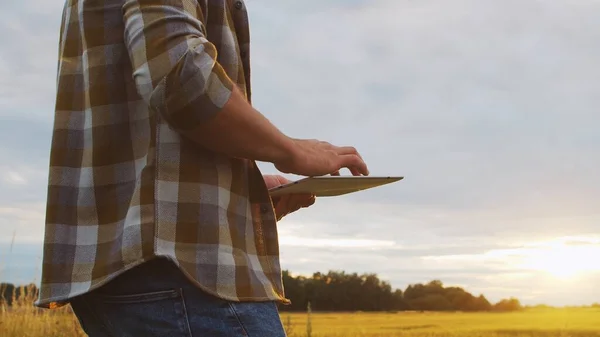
(56, 302)
(279, 298)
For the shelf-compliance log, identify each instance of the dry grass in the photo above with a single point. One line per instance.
(24, 320)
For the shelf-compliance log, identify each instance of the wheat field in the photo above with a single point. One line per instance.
(23, 320)
(529, 323)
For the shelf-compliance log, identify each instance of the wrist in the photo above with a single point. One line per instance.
(286, 154)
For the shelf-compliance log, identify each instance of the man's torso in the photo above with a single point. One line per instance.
(125, 187)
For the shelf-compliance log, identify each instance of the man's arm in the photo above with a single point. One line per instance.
(238, 130)
(177, 74)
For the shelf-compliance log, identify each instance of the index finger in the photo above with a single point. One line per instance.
(354, 163)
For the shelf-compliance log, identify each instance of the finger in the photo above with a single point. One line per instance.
(346, 150)
(292, 205)
(342, 150)
(336, 173)
(282, 180)
(270, 181)
(311, 201)
(307, 200)
(353, 162)
(354, 171)
(298, 201)
(282, 206)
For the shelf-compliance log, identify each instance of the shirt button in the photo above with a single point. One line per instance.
(264, 209)
(239, 5)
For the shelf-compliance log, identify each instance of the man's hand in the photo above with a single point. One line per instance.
(290, 203)
(312, 157)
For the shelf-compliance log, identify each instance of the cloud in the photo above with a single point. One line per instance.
(334, 243)
(22, 223)
(13, 177)
(28, 62)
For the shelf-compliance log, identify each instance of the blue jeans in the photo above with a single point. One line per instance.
(156, 299)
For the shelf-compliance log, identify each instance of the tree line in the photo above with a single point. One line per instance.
(341, 291)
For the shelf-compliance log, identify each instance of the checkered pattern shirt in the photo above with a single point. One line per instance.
(124, 185)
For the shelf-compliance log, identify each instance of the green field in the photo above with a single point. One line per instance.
(24, 321)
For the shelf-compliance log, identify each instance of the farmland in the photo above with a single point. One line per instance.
(529, 323)
(23, 320)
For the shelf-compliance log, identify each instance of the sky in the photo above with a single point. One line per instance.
(487, 108)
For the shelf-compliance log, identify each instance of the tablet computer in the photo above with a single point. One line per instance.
(329, 186)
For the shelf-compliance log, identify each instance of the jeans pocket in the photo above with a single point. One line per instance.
(258, 318)
(148, 314)
(139, 297)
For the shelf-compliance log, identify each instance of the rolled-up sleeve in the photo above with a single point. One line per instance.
(175, 67)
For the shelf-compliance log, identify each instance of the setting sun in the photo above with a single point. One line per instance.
(564, 258)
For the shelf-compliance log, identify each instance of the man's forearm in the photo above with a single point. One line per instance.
(177, 74)
(238, 130)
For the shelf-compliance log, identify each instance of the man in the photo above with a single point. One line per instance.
(159, 222)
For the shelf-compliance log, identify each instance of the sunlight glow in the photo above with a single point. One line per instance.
(564, 258)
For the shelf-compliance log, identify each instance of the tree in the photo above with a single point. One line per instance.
(339, 291)
(431, 302)
(511, 304)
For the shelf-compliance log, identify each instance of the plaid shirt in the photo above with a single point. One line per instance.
(124, 185)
